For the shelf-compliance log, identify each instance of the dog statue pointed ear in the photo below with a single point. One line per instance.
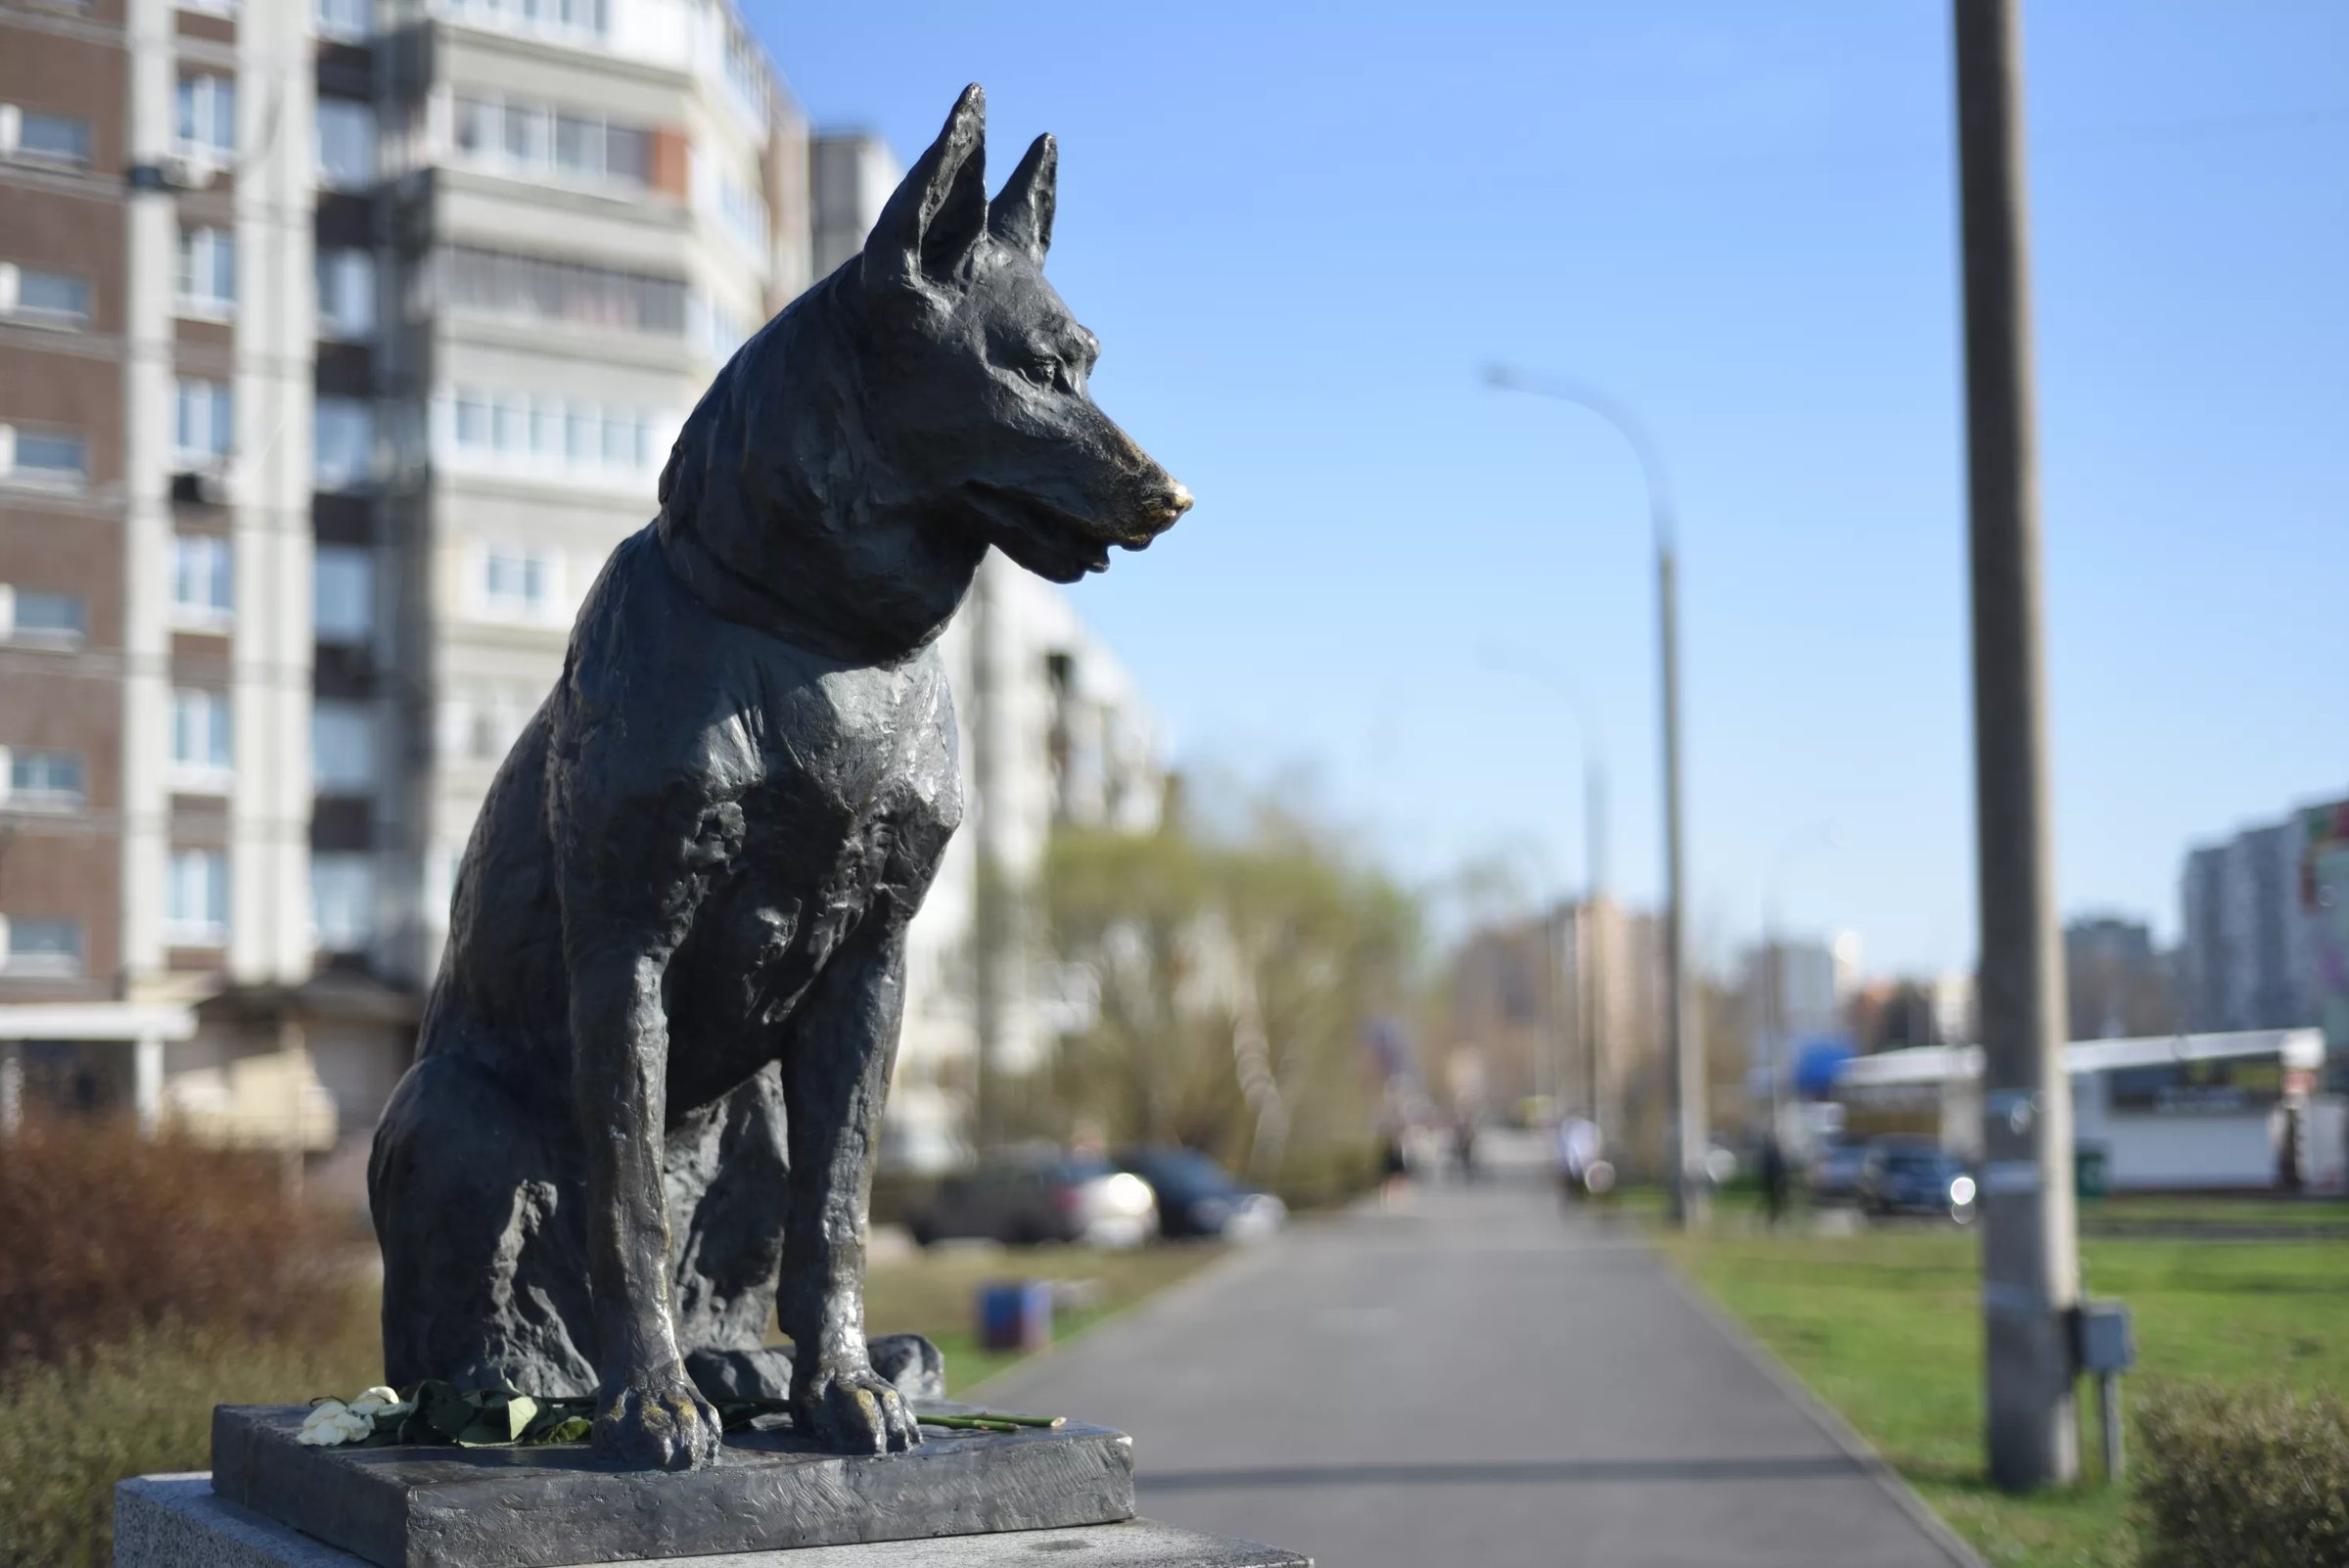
(937, 213)
(1021, 216)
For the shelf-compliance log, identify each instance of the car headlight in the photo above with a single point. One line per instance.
(1961, 1190)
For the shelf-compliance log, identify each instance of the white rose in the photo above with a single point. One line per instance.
(375, 1402)
(331, 1421)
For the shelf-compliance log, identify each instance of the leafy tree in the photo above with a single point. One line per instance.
(1232, 977)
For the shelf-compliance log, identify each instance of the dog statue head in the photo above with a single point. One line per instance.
(986, 370)
(851, 465)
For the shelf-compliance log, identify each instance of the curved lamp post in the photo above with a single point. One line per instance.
(1588, 1020)
(1684, 1059)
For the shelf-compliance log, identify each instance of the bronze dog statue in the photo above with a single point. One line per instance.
(642, 1117)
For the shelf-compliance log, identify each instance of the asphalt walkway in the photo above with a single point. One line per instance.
(1472, 1381)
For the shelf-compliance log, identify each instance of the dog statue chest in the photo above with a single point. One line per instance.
(852, 794)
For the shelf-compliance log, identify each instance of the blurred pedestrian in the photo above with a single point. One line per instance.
(1463, 1146)
(1578, 1151)
(1395, 1166)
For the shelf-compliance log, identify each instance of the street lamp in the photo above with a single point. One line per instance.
(1686, 1066)
(1588, 958)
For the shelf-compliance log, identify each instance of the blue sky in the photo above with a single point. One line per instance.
(1299, 231)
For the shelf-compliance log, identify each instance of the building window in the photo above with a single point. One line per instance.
(45, 620)
(202, 430)
(588, 18)
(345, 452)
(216, 8)
(347, 294)
(345, 20)
(345, 144)
(746, 71)
(342, 902)
(52, 458)
(553, 438)
(195, 900)
(207, 117)
(36, 297)
(49, 948)
(203, 753)
(208, 273)
(561, 290)
(39, 136)
(342, 748)
(343, 593)
(517, 582)
(531, 140)
(43, 780)
(742, 209)
(202, 582)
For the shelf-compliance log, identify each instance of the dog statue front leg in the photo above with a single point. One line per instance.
(648, 1413)
(835, 1079)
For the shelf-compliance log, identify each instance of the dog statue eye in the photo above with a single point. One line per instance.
(1042, 369)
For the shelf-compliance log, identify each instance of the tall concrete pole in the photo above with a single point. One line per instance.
(1686, 1063)
(2029, 1250)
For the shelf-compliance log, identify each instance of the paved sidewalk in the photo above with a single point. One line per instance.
(1475, 1382)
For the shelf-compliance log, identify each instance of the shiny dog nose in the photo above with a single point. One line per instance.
(1180, 501)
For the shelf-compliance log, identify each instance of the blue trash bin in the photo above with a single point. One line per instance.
(1015, 1314)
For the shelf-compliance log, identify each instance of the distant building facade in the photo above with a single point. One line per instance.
(339, 343)
(2254, 927)
(2116, 982)
(1566, 1006)
(1795, 991)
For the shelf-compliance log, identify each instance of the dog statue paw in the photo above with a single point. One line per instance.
(854, 1410)
(658, 1421)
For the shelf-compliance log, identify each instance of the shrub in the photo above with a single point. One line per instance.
(108, 1234)
(2249, 1477)
(144, 1405)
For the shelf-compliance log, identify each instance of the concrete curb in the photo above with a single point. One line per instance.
(1824, 1416)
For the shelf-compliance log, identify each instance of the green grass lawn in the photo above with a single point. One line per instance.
(935, 1292)
(1886, 1326)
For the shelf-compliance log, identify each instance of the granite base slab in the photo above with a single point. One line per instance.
(553, 1506)
(177, 1521)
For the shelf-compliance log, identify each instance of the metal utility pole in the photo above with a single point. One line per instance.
(1687, 1061)
(1591, 946)
(2030, 1248)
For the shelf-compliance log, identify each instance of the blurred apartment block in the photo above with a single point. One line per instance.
(1796, 993)
(1561, 1013)
(340, 342)
(2265, 929)
(2116, 982)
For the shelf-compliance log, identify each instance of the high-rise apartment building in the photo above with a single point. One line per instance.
(2117, 983)
(340, 347)
(2253, 928)
(340, 342)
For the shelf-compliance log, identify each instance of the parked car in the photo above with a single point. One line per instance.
(1833, 1174)
(1197, 1197)
(1915, 1175)
(1024, 1200)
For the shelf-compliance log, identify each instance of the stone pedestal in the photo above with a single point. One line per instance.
(553, 1505)
(177, 1521)
(766, 1492)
